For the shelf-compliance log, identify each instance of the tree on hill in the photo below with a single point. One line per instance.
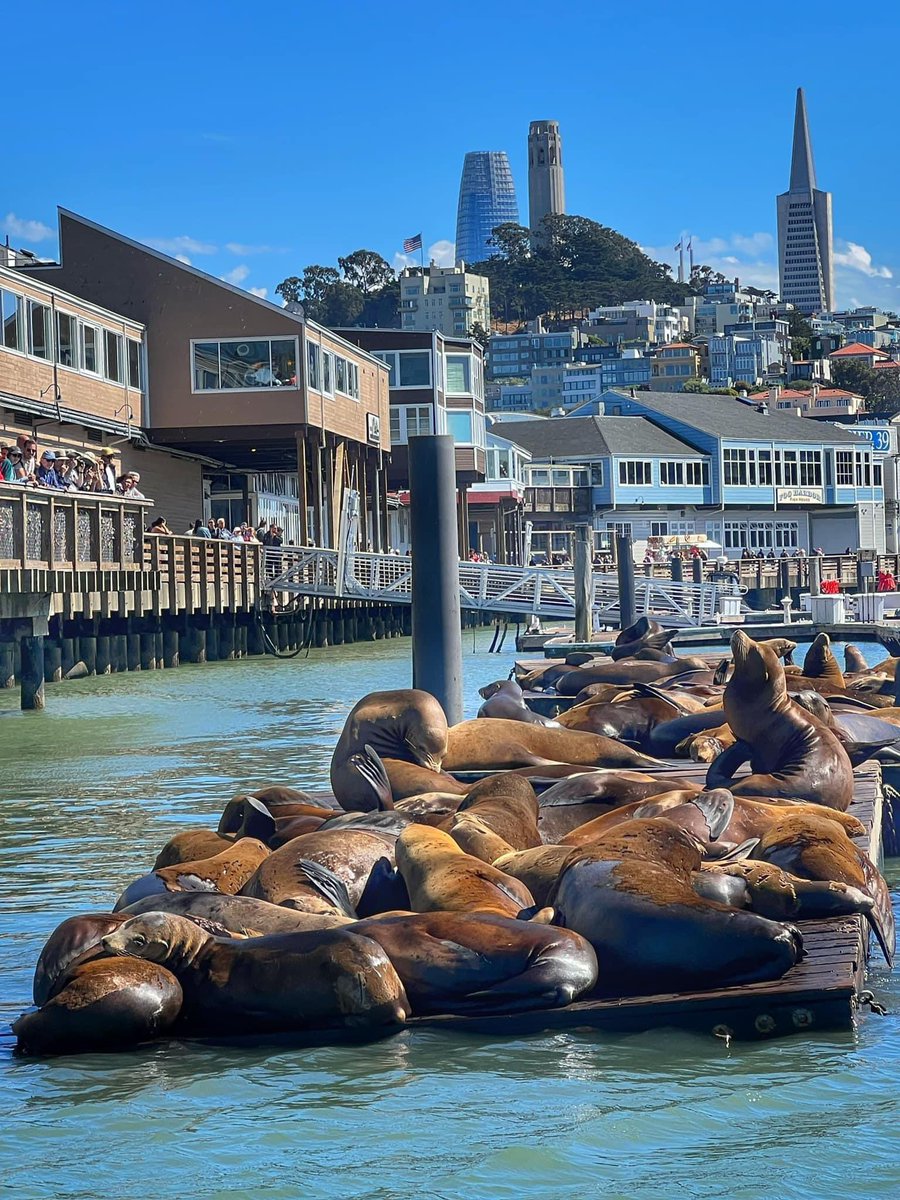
(881, 389)
(801, 335)
(364, 291)
(572, 265)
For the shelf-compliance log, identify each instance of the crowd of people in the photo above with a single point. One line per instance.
(266, 533)
(22, 464)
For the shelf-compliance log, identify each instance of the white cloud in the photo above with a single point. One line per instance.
(182, 245)
(751, 257)
(261, 292)
(858, 258)
(240, 249)
(238, 275)
(442, 253)
(28, 231)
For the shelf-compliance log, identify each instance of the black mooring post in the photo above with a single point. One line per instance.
(697, 569)
(436, 626)
(625, 568)
(676, 568)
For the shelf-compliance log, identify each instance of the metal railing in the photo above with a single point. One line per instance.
(485, 587)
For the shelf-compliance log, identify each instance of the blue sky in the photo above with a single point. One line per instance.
(255, 139)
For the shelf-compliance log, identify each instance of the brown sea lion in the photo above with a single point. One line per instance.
(249, 816)
(189, 845)
(814, 848)
(820, 662)
(441, 878)
(475, 837)
(854, 661)
(291, 981)
(767, 890)
(407, 725)
(537, 869)
(227, 872)
(104, 1005)
(792, 755)
(350, 854)
(67, 945)
(507, 804)
(430, 808)
(480, 962)
(240, 915)
(504, 698)
(667, 737)
(503, 745)
(627, 670)
(575, 801)
(630, 895)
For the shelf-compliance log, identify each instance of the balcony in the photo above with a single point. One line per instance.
(566, 501)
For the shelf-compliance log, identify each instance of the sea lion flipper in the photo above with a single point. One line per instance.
(744, 850)
(649, 689)
(722, 769)
(717, 807)
(720, 675)
(368, 764)
(327, 884)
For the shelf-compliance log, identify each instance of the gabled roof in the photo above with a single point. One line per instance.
(857, 350)
(596, 437)
(724, 417)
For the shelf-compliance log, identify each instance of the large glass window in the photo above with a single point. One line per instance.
(134, 365)
(340, 374)
(312, 365)
(39, 341)
(843, 461)
(635, 472)
(13, 321)
(810, 468)
(735, 464)
(459, 374)
(415, 369)
(244, 364)
(90, 348)
(460, 425)
(114, 366)
(67, 340)
(327, 372)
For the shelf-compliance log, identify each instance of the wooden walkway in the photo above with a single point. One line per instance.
(820, 993)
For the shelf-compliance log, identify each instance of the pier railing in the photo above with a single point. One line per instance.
(203, 574)
(70, 531)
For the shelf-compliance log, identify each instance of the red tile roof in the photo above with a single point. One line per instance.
(857, 350)
(807, 394)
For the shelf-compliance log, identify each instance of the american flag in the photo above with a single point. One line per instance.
(413, 243)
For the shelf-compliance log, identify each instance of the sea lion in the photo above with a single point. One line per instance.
(643, 634)
(854, 662)
(502, 745)
(820, 662)
(291, 981)
(67, 945)
(481, 962)
(767, 890)
(248, 816)
(792, 755)
(537, 869)
(504, 698)
(651, 931)
(240, 915)
(189, 845)
(349, 854)
(103, 1005)
(814, 848)
(475, 837)
(575, 801)
(407, 725)
(430, 808)
(628, 720)
(226, 872)
(627, 670)
(441, 878)
(507, 804)
(666, 737)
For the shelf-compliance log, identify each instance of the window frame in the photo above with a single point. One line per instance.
(646, 472)
(253, 390)
(30, 306)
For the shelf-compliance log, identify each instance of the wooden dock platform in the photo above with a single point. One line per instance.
(820, 993)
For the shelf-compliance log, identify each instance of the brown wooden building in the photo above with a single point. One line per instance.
(295, 411)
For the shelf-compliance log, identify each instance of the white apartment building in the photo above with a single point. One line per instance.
(664, 323)
(450, 300)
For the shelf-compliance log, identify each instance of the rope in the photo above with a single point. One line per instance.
(272, 646)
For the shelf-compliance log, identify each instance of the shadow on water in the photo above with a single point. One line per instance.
(115, 765)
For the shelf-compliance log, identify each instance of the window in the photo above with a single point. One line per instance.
(764, 459)
(597, 474)
(39, 342)
(327, 371)
(561, 478)
(635, 472)
(659, 528)
(240, 364)
(810, 468)
(134, 365)
(415, 369)
(787, 534)
(112, 357)
(539, 478)
(863, 465)
(312, 365)
(621, 527)
(66, 340)
(736, 471)
(844, 468)
(90, 348)
(13, 321)
(459, 424)
(459, 374)
(340, 374)
(877, 475)
(410, 420)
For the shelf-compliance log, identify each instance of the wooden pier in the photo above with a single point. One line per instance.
(821, 993)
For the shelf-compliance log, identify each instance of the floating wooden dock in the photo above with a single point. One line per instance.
(820, 993)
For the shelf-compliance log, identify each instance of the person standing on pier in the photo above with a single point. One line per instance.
(108, 469)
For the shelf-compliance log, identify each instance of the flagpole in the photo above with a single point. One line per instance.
(422, 254)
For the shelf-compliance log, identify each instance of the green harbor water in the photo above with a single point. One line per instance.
(92, 788)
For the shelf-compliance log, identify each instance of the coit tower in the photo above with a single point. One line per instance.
(546, 188)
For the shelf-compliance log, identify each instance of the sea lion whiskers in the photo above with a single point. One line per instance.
(145, 937)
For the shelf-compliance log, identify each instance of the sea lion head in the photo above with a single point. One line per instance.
(820, 663)
(783, 647)
(815, 703)
(756, 667)
(156, 936)
(424, 729)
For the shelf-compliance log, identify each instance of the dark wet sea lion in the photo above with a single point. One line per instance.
(226, 872)
(505, 699)
(503, 745)
(854, 661)
(771, 892)
(507, 804)
(189, 845)
(440, 877)
(651, 930)
(105, 1004)
(291, 981)
(666, 737)
(66, 945)
(574, 802)
(631, 720)
(814, 848)
(627, 670)
(407, 725)
(480, 962)
(537, 869)
(250, 816)
(820, 662)
(284, 877)
(235, 914)
(792, 755)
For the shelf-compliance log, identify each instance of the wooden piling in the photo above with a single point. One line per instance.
(32, 674)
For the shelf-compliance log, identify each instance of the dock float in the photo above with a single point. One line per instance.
(820, 993)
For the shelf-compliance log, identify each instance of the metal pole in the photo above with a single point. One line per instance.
(436, 626)
(697, 569)
(584, 583)
(625, 568)
(815, 575)
(676, 567)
